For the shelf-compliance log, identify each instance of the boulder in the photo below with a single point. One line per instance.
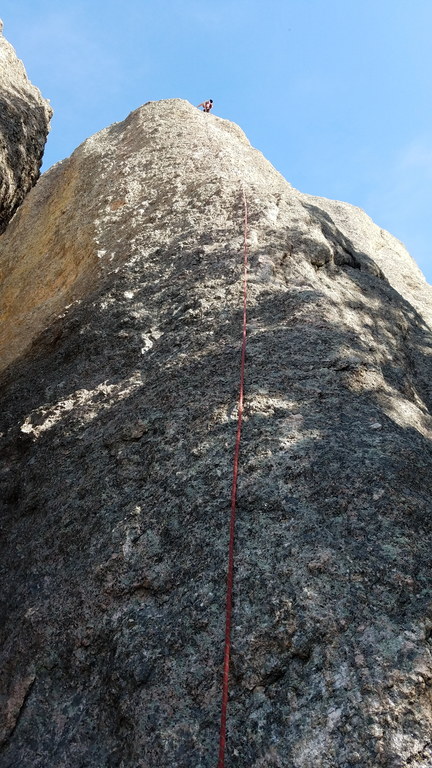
(24, 125)
(122, 306)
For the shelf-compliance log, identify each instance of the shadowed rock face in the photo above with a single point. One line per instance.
(24, 125)
(118, 427)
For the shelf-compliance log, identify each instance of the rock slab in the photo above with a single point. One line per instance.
(119, 398)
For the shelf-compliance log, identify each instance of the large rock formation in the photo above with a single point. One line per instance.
(118, 426)
(24, 125)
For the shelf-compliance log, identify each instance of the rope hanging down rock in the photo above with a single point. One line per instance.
(230, 575)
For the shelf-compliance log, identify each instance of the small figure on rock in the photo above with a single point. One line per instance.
(206, 105)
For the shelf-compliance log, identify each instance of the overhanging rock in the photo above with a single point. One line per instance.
(24, 125)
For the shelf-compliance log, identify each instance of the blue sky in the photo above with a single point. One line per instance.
(335, 93)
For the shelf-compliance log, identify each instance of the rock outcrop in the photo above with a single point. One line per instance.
(122, 329)
(24, 125)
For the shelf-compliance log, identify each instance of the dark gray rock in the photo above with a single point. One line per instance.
(24, 125)
(118, 428)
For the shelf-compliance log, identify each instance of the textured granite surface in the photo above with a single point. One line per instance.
(117, 434)
(24, 125)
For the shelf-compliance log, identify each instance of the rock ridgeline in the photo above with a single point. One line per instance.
(24, 125)
(121, 337)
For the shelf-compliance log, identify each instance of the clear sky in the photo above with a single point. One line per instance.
(335, 93)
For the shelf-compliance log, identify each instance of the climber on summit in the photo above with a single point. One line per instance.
(206, 105)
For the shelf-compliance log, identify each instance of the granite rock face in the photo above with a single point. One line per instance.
(122, 330)
(24, 125)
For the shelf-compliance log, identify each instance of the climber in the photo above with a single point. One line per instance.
(206, 105)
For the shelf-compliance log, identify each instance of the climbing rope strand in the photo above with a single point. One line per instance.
(230, 574)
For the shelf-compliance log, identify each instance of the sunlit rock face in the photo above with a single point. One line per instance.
(24, 125)
(122, 304)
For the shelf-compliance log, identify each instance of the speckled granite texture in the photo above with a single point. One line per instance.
(122, 345)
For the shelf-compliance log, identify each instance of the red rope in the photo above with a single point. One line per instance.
(230, 576)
